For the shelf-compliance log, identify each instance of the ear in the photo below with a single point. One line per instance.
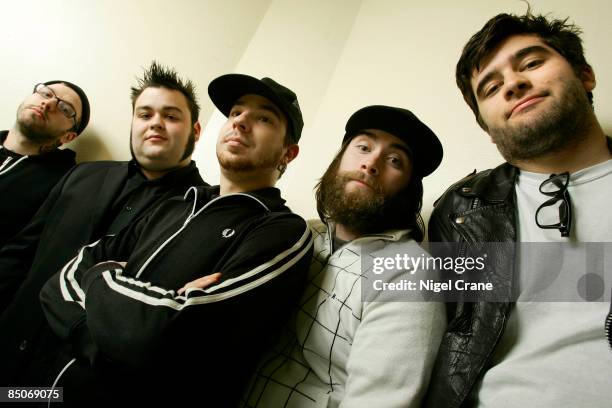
(67, 137)
(291, 153)
(587, 76)
(197, 129)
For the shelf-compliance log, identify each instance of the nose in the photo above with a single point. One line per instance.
(156, 121)
(49, 104)
(516, 85)
(370, 165)
(241, 122)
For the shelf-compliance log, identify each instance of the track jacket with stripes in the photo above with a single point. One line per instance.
(127, 326)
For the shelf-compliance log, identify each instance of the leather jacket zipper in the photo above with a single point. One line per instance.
(609, 328)
(463, 247)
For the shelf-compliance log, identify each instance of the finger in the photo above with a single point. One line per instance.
(202, 282)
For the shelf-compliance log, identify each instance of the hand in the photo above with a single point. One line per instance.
(202, 282)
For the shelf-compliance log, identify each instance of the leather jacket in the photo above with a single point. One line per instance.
(479, 208)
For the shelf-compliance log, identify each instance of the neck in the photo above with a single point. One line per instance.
(16, 142)
(587, 152)
(155, 174)
(345, 233)
(240, 182)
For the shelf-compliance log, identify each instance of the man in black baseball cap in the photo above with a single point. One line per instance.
(369, 202)
(30, 161)
(256, 110)
(390, 150)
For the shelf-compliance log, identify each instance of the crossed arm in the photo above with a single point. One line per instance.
(108, 309)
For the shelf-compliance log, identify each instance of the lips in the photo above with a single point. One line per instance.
(361, 182)
(525, 103)
(38, 112)
(362, 178)
(154, 138)
(235, 141)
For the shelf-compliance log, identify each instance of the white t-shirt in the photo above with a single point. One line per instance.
(554, 354)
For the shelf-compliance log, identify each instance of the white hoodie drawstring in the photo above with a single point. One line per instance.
(3, 167)
(57, 379)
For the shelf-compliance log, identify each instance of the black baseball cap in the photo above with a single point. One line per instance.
(225, 90)
(82, 124)
(426, 149)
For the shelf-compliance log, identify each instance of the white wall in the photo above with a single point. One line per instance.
(337, 55)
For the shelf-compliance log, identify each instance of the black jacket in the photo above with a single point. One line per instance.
(129, 323)
(479, 208)
(68, 219)
(25, 182)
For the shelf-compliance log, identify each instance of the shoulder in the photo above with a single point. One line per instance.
(486, 184)
(285, 220)
(100, 165)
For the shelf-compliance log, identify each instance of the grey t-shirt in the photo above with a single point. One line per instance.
(554, 354)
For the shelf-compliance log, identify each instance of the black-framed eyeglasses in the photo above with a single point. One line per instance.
(65, 107)
(556, 187)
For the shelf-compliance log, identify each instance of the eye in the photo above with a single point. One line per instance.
(46, 94)
(144, 115)
(534, 63)
(234, 113)
(65, 109)
(491, 89)
(395, 161)
(171, 117)
(363, 147)
(264, 119)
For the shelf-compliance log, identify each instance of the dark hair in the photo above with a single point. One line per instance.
(404, 211)
(158, 76)
(560, 35)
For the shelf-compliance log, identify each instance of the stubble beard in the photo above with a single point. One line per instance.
(241, 164)
(565, 123)
(35, 133)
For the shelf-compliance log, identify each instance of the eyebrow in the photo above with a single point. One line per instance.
(164, 108)
(263, 106)
(520, 54)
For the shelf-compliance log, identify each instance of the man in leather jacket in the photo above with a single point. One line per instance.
(529, 86)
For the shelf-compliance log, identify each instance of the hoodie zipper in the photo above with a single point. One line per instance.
(191, 216)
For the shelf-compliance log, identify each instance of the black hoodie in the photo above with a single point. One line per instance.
(25, 182)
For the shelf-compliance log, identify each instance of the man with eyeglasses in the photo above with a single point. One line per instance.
(30, 161)
(528, 83)
(93, 200)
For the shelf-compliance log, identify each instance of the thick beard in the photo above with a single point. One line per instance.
(566, 123)
(362, 211)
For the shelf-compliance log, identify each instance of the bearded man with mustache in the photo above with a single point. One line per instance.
(340, 349)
